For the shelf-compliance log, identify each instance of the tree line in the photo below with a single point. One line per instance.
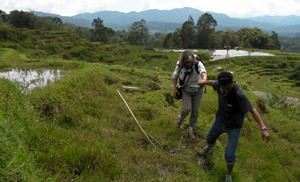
(137, 34)
(203, 35)
(191, 35)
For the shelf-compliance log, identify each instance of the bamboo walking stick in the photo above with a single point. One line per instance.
(136, 119)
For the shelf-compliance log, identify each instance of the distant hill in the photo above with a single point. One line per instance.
(278, 20)
(169, 20)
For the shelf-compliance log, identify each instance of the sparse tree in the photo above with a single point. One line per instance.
(21, 19)
(205, 27)
(100, 32)
(173, 40)
(256, 38)
(138, 33)
(275, 44)
(228, 39)
(168, 41)
(188, 33)
(176, 39)
(157, 39)
(3, 17)
(57, 20)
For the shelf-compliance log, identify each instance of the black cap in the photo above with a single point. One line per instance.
(225, 77)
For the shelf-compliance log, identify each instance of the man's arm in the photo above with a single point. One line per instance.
(258, 119)
(206, 82)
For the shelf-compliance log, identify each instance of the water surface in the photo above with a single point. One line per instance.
(28, 79)
(223, 53)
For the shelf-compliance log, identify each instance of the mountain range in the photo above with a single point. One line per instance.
(169, 20)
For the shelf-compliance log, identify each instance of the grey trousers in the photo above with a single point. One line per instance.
(190, 103)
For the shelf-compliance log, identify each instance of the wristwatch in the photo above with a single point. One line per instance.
(264, 128)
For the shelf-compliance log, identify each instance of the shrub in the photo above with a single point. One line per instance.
(261, 105)
(270, 66)
(153, 86)
(244, 86)
(205, 56)
(295, 75)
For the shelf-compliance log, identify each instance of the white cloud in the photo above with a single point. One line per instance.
(233, 8)
(250, 8)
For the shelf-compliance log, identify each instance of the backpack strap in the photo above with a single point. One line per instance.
(182, 82)
(197, 67)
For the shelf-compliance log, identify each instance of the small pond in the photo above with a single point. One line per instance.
(28, 79)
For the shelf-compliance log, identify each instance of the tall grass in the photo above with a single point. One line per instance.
(17, 121)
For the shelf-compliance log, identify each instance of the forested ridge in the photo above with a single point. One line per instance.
(200, 34)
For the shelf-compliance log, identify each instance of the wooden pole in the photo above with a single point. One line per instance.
(136, 119)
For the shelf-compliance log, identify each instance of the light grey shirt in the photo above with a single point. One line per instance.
(191, 80)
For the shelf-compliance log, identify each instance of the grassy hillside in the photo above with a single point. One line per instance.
(78, 128)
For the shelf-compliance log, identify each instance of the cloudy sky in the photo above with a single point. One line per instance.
(233, 8)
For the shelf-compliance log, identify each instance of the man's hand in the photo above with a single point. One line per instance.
(201, 83)
(265, 135)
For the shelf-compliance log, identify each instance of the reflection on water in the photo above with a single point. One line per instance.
(29, 79)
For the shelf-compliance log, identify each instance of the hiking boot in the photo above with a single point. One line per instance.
(192, 133)
(203, 152)
(228, 178)
(179, 124)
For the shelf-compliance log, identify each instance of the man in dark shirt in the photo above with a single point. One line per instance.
(232, 109)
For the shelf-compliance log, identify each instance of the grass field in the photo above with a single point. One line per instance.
(79, 128)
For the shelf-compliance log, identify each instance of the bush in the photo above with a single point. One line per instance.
(295, 75)
(245, 86)
(270, 66)
(261, 105)
(204, 56)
